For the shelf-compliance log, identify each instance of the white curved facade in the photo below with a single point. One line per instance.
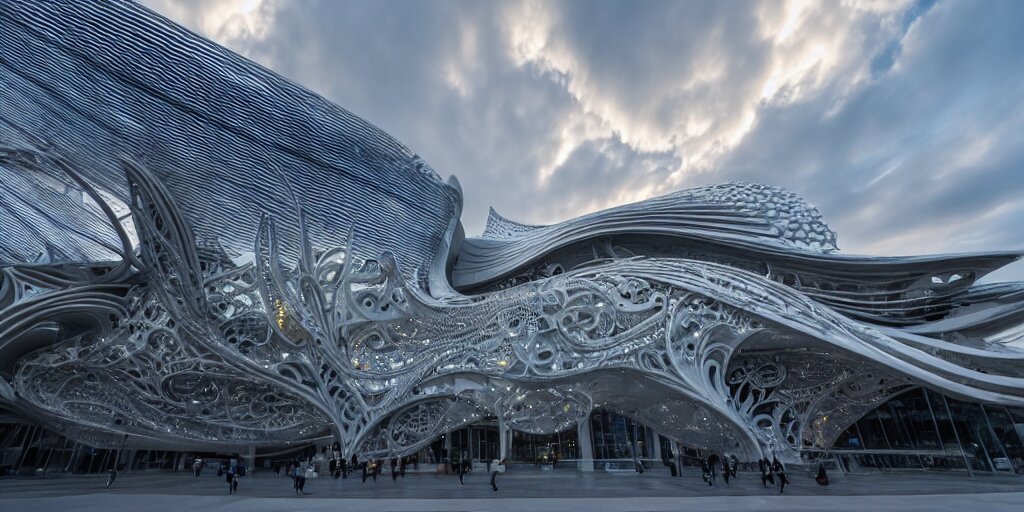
(199, 253)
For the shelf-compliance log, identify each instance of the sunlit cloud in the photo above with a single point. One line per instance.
(901, 120)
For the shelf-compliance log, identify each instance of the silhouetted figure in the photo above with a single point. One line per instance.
(299, 477)
(463, 465)
(344, 468)
(766, 472)
(713, 461)
(778, 469)
(822, 478)
(705, 470)
(394, 469)
(365, 470)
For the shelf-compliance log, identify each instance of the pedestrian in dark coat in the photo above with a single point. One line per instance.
(780, 470)
(713, 461)
(822, 477)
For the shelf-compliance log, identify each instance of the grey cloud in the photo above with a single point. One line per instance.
(946, 120)
(912, 144)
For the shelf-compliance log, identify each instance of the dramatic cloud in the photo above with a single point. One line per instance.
(902, 121)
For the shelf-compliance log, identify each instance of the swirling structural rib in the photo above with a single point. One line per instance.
(200, 253)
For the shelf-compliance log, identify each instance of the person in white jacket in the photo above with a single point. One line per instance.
(496, 467)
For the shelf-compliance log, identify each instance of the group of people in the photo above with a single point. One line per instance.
(771, 471)
(464, 466)
(709, 468)
(340, 468)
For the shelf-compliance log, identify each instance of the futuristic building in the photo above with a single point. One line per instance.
(204, 256)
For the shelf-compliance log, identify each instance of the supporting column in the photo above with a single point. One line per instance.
(677, 450)
(585, 440)
(504, 439)
(957, 435)
(250, 458)
(1013, 423)
(654, 440)
(938, 433)
(636, 445)
(25, 445)
(995, 438)
(881, 425)
(448, 450)
(117, 456)
(75, 450)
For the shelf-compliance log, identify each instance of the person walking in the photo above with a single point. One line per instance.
(780, 470)
(300, 478)
(394, 469)
(713, 461)
(231, 479)
(461, 467)
(766, 472)
(496, 467)
(344, 468)
(365, 469)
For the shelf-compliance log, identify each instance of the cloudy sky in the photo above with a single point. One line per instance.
(902, 121)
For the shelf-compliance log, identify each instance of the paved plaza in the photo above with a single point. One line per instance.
(536, 492)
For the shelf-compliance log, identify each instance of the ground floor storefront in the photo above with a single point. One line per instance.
(917, 430)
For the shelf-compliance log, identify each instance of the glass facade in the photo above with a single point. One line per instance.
(616, 437)
(926, 430)
(917, 430)
(544, 449)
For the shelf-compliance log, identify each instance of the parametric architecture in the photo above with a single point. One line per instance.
(205, 256)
